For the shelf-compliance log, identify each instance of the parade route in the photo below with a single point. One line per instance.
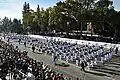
(73, 71)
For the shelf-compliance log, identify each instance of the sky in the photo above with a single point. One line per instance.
(13, 8)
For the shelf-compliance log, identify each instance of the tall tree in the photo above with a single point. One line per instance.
(16, 26)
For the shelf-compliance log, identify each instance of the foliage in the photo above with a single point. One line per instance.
(72, 15)
(7, 25)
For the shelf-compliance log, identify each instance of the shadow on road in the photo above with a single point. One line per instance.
(109, 72)
(98, 74)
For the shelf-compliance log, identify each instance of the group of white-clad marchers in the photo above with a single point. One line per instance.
(70, 52)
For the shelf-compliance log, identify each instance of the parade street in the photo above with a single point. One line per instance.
(73, 71)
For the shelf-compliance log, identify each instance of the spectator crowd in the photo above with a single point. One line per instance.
(19, 65)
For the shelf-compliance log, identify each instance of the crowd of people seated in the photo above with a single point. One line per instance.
(13, 60)
(84, 55)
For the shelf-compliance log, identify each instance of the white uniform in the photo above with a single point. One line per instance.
(80, 60)
(60, 56)
(67, 58)
(77, 62)
(101, 59)
(92, 63)
(88, 65)
(75, 55)
(105, 58)
(95, 62)
(71, 58)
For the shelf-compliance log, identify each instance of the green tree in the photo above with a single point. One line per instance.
(6, 24)
(16, 27)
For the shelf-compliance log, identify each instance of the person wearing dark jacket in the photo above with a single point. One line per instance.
(83, 66)
(116, 50)
(25, 44)
(19, 41)
(33, 48)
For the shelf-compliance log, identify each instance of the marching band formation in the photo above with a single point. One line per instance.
(83, 55)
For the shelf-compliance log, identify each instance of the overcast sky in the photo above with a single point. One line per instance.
(13, 8)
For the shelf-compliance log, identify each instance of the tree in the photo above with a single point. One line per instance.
(73, 15)
(5, 24)
(27, 15)
(16, 27)
(101, 14)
